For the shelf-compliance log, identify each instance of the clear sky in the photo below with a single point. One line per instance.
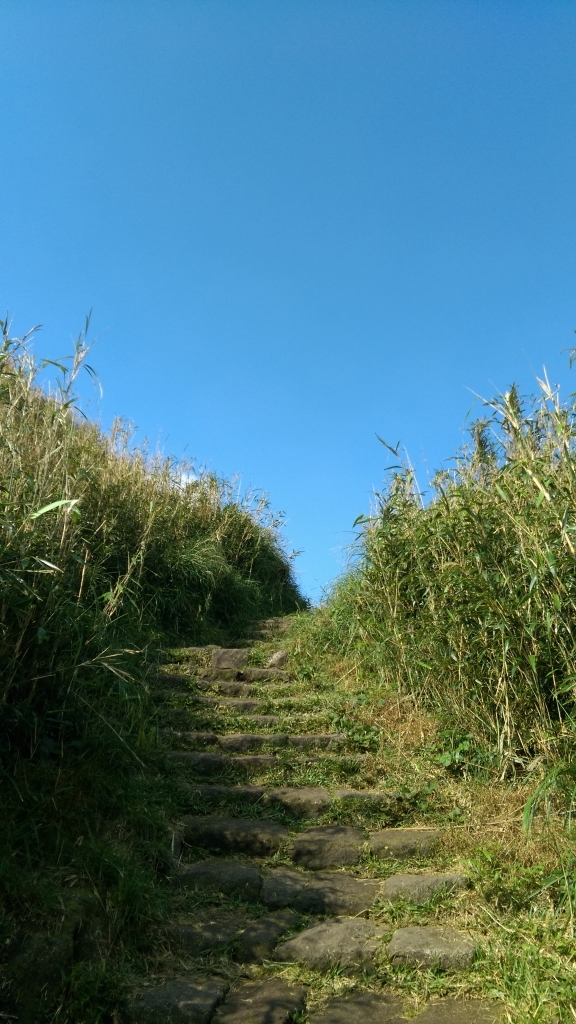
(299, 223)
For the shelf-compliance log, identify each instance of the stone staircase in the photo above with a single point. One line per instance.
(279, 879)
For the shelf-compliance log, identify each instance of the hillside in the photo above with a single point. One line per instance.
(226, 807)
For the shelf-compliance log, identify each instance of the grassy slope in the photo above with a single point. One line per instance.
(105, 553)
(451, 643)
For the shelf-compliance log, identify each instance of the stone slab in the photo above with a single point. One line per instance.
(421, 888)
(180, 1001)
(258, 940)
(324, 892)
(231, 877)
(398, 843)
(262, 1002)
(362, 1008)
(235, 689)
(207, 761)
(234, 703)
(254, 760)
(327, 846)
(331, 892)
(280, 888)
(303, 802)
(214, 931)
(192, 737)
(432, 946)
(229, 657)
(349, 942)
(240, 741)
(259, 837)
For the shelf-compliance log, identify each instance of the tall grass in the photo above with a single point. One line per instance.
(106, 552)
(467, 600)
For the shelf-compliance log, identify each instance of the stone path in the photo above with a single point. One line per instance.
(263, 831)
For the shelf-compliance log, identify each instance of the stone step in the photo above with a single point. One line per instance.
(244, 741)
(206, 761)
(319, 892)
(232, 689)
(367, 1008)
(311, 801)
(399, 843)
(257, 837)
(214, 930)
(258, 941)
(421, 888)
(235, 878)
(302, 801)
(184, 999)
(229, 657)
(233, 703)
(260, 1002)
(350, 943)
(327, 846)
(190, 737)
(432, 946)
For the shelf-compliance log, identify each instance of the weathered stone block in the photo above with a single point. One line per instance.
(258, 940)
(432, 946)
(231, 877)
(327, 846)
(421, 888)
(349, 942)
(214, 931)
(180, 1001)
(235, 835)
(398, 843)
(361, 1008)
(306, 802)
(229, 657)
(262, 1002)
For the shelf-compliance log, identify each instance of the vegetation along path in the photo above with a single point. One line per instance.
(220, 806)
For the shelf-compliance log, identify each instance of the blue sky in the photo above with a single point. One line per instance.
(298, 224)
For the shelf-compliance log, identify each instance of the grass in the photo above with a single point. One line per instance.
(107, 551)
(466, 601)
(445, 655)
(450, 643)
